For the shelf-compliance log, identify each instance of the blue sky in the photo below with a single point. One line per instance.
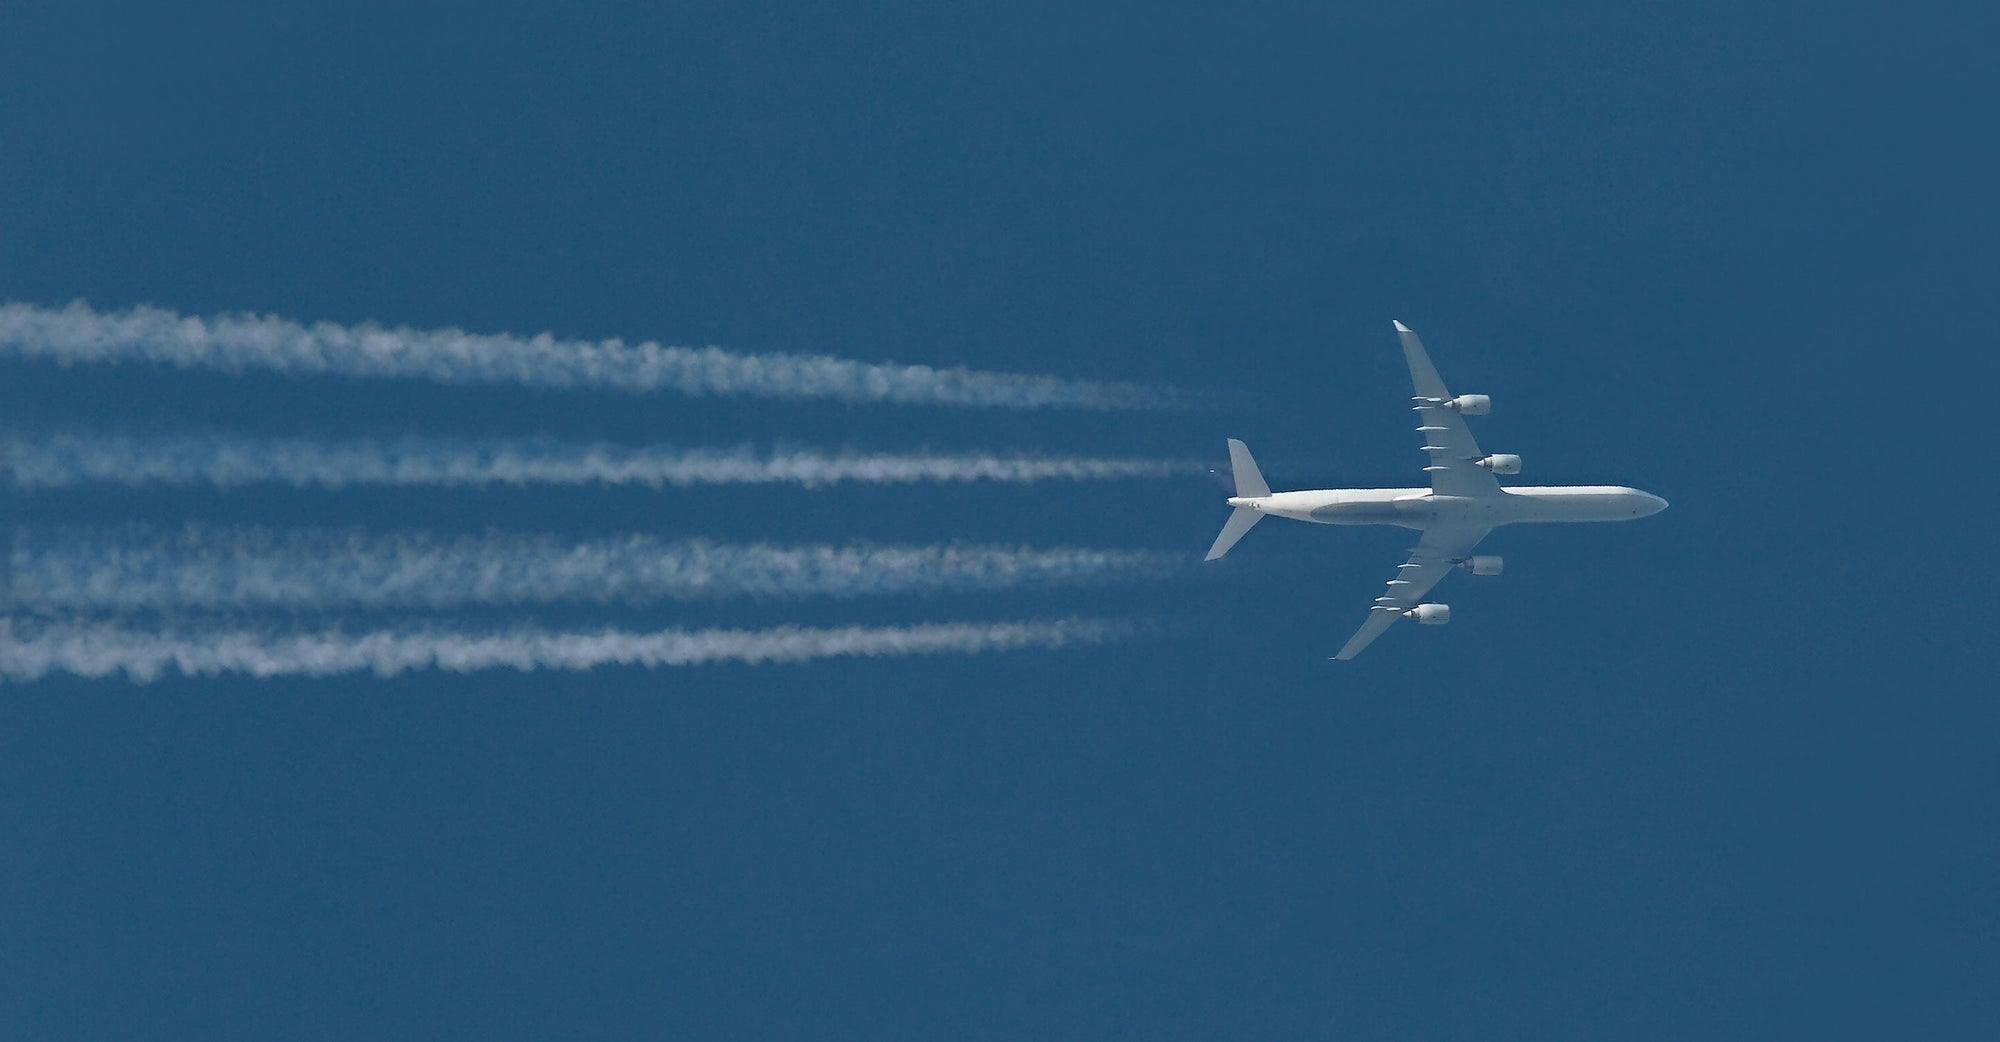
(1726, 772)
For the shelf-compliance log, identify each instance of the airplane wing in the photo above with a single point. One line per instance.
(1453, 469)
(1435, 555)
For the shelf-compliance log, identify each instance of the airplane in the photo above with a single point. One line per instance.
(1463, 504)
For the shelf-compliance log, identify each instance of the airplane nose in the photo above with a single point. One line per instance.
(1654, 504)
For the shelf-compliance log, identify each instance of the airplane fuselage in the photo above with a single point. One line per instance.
(1420, 508)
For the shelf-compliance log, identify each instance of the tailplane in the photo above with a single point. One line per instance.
(1248, 484)
(1239, 522)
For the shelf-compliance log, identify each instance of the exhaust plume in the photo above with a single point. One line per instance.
(64, 460)
(30, 651)
(241, 343)
(229, 463)
(199, 568)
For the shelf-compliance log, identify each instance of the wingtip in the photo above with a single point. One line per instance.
(1400, 328)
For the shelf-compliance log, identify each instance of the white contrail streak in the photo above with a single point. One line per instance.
(199, 568)
(243, 343)
(30, 651)
(64, 460)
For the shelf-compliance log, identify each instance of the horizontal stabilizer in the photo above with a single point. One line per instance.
(1239, 522)
(1249, 482)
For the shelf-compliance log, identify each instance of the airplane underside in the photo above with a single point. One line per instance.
(1421, 508)
(1464, 503)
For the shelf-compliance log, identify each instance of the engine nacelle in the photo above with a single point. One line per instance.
(1481, 564)
(1502, 463)
(1471, 404)
(1430, 614)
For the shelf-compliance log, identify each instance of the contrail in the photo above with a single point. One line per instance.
(200, 568)
(64, 460)
(30, 650)
(241, 343)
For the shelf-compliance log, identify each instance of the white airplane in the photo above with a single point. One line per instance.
(1463, 503)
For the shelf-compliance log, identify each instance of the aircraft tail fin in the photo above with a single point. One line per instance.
(1249, 482)
(1239, 522)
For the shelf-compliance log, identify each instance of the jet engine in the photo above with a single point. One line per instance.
(1502, 463)
(1471, 404)
(1481, 564)
(1430, 614)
